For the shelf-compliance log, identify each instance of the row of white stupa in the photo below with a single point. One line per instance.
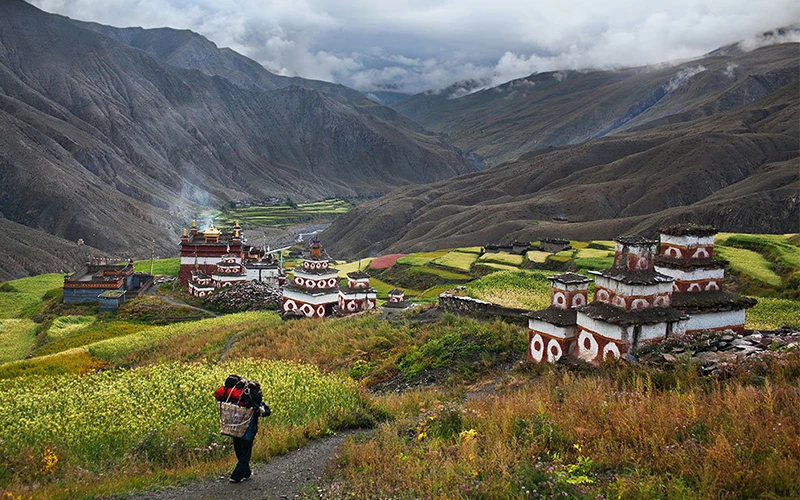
(645, 297)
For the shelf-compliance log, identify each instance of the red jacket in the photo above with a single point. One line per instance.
(222, 394)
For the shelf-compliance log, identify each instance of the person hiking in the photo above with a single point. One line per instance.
(248, 394)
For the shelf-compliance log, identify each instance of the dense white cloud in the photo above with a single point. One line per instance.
(414, 45)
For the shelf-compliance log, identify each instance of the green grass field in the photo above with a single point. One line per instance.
(499, 267)
(537, 256)
(750, 263)
(458, 260)
(562, 256)
(477, 250)
(502, 258)
(64, 326)
(770, 314)
(17, 337)
(421, 258)
(164, 267)
(384, 288)
(20, 296)
(520, 289)
(782, 247)
(593, 259)
(350, 267)
(608, 244)
(278, 215)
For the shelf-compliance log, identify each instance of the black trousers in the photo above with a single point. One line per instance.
(243, 449)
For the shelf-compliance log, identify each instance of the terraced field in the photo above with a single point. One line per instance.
(278, 215)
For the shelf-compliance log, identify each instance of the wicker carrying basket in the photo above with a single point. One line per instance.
(234, 419)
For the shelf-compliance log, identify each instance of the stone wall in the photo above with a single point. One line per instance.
(467, 306)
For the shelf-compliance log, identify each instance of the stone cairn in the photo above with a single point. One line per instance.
(719, 352)
(248, 295)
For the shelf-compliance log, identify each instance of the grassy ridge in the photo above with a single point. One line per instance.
(65, 326)
(25, 295)
(750, 263)
(17, 337)
(771, 313)
(502, 258)
(458, 260)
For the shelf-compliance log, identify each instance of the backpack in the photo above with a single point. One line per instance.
(251, 394)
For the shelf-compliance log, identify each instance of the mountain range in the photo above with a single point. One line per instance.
(714, 140)
(117, 136)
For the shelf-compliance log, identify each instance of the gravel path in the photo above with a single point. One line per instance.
(283, 477)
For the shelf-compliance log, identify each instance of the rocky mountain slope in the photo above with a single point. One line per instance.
(115, 136)
(569, 107)
(731, 161)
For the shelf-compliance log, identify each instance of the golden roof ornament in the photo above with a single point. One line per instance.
(212, 230)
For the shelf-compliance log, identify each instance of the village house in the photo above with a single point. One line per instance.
(106, 281)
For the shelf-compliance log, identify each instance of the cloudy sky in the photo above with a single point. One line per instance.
(415, 45)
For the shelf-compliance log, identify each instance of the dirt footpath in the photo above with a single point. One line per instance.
(283, 477)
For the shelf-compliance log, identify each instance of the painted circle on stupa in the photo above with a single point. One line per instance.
(587, 346)
(554, 351)
(537, 348)
(610, 349)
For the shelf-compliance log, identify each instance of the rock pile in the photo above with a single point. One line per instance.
(245, 296)
(718, 352)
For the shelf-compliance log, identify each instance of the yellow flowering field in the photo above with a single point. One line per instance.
(116, 417)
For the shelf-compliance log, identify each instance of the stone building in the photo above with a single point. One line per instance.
(632, 307)
(552, 331)
(203, 250)
(632, 304)
(315, 290)
(102, 275)
(687, 255)
(213, 259)
(358, 295)
(396, 301)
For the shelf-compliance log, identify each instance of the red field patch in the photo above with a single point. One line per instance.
(386, 261)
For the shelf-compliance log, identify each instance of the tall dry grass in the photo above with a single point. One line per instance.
(622, 433)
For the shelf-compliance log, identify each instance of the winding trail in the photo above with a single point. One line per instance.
(283, 477)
